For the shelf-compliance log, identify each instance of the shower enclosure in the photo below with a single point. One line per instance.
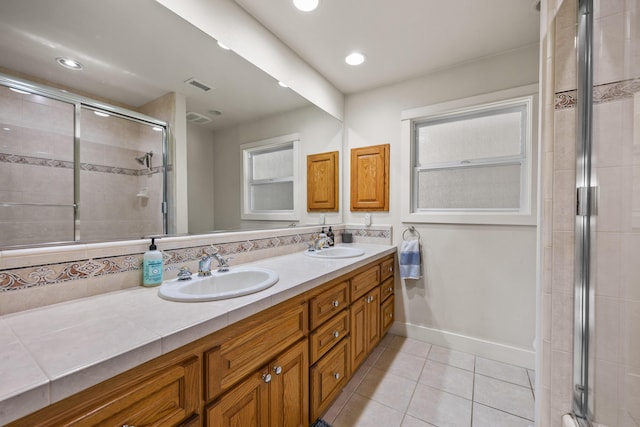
(75, 169)
(606, 293)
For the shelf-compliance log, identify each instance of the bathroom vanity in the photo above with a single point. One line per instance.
(280, 366)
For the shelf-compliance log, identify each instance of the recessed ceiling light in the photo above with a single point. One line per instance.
(69, 63)
(100, 113)
(306, 5)
(24, 92)
(7, 129)
(355, 58)
(223, 46)
(282, 84)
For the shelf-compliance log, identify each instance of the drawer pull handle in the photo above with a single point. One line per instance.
(369, 299)
(335, 303)
(266, 378)
(277, 370)
(336, 375)
(336, 334)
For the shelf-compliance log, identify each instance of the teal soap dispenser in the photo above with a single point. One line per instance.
(152, 264)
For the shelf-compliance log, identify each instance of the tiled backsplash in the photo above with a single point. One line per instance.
(36, 277)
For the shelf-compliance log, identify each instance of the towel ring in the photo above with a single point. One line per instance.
(411, 229)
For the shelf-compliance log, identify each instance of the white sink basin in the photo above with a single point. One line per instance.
(336, 252)
(230, 284)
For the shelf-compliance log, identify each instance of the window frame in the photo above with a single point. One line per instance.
(246, 171)
(462, 109)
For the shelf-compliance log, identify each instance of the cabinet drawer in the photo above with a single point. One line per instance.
(326, 336)
(386, 268)
(328, 303)
(386, 289)
(387, 313)
(328, 377)
(252, 347)
(168, 395)
(363, 282)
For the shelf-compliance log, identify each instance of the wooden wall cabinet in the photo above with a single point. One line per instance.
(322, 182)
(370, 178)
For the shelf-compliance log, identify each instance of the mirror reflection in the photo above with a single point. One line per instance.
(141, 57)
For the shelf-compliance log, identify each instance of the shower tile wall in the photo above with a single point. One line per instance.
(110, 207)
(36, 166)
(615, 344)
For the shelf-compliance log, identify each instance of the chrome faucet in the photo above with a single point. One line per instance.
(223, 263)
(319, 241)
(204, 266)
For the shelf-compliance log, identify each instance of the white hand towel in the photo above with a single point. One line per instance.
(410, 259)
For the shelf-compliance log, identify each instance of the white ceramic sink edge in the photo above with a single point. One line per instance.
(334, 252)
(220, 285)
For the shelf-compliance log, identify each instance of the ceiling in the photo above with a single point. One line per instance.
(400, 38)
(136, 51)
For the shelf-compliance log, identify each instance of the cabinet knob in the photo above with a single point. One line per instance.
(336, 375)
(335, 303)
(369, 299)
(389, 289)
(390, 315)
(390, 269)
(277, 370)
(336, 334)
(266, 378)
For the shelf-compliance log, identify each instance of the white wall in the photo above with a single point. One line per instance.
(318, 132)
(479, 290)
(200, 178)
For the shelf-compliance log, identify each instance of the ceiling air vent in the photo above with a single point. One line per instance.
(197, 118)
(195, 83)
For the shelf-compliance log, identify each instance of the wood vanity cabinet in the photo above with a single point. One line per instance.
(165, 393)
(281, 367)
(274, 396)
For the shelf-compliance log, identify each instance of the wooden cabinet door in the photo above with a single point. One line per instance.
(370, 178)
(289, 395)
(386, 314)
(246, 405)
(322, 182)
(373, 318)
(357, 323)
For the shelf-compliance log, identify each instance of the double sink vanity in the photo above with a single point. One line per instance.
(277, 352)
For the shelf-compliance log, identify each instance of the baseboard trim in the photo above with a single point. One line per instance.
(490, 350)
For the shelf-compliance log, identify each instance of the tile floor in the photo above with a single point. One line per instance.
(410, 383)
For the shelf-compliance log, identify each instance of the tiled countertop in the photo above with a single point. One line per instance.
(50, 353)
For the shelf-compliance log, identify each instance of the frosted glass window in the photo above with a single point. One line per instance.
(484, 187)
(463, 138)
(472, 160)
(273, 164)
(269, 187)
(272, 197)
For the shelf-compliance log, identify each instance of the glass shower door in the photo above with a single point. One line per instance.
(614, 266)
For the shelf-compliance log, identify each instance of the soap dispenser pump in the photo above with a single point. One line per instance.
(152, 264)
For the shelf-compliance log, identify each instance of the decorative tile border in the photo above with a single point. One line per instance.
(601, 93)
(50, 274)
(64, 164)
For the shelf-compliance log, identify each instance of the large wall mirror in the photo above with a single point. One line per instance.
(139, 56)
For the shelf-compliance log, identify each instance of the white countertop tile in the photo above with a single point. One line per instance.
(52, 352)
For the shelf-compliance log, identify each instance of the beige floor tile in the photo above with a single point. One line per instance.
(362, 412)
(336, 407)
(507, 397)
(502, 371)
(410, 421)
(447, 378)
(410, 345)
(439, 408)
(386, 388)
(483, 416)
(452, 357)
(402, 364)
